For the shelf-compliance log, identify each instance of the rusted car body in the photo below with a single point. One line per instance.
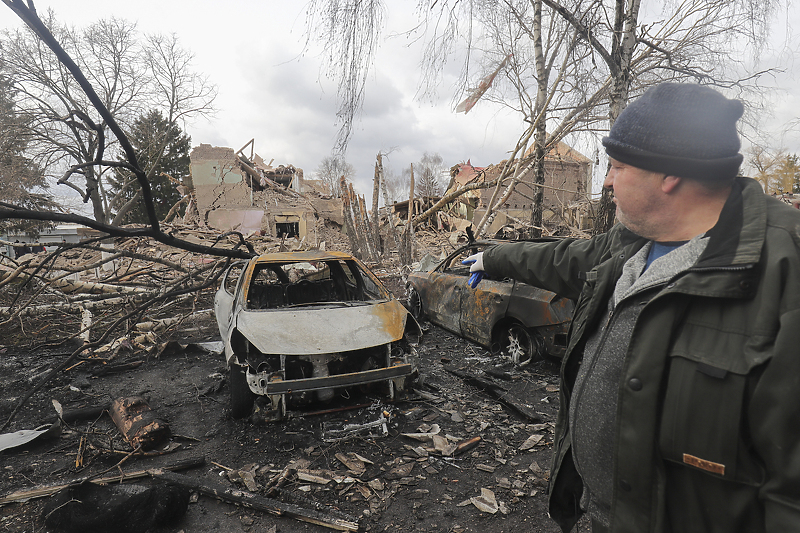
(501, 314)
(300, 327)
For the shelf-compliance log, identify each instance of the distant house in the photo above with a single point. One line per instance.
(60, 233)
(568, 186)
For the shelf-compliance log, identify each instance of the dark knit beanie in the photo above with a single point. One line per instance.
(680, 129)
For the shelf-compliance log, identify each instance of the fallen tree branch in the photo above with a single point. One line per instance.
(99, 342)
(35, 310)
(164, 323)
(118, 231)
(254, 501)
(48, 490)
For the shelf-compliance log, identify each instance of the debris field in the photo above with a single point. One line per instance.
(469, 452)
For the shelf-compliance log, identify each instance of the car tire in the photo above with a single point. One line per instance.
(518, 344)
(415, 304)
(242, 398)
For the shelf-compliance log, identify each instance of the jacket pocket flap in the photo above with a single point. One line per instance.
(730, 351)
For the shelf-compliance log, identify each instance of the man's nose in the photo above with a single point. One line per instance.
(608, 183)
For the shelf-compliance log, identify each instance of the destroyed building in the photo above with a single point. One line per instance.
(232, 191)
(568, 185)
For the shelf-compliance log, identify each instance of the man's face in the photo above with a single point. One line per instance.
(637, 195)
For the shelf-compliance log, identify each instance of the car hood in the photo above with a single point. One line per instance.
(315, 330)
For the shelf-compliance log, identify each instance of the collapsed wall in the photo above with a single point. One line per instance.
(236, 193)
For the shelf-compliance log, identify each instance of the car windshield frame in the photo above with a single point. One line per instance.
(452, 264)
(330, 281)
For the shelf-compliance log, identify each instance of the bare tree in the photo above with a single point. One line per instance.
(177, 90)
(39, 277)
(777, 171)
(331, 170)
(396, 184)
(428, 173)
(699, 40)
(545, 53)
(351, 30)
(130, 76)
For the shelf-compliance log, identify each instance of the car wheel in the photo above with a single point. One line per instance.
(242, 397)
(415, 304)
(517, 343)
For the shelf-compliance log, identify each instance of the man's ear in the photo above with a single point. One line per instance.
(670, 183)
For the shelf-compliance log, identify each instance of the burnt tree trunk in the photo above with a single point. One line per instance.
(376, 218)
(361, 224)
(347, 216)
(408, 233)
(389, 213)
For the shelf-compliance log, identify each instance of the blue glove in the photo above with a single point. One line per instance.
(476, 269)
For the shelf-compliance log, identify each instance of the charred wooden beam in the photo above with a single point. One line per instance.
(498, 392)
(254, 501)
(48, 490)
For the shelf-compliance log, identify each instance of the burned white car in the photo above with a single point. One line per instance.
(303, 327)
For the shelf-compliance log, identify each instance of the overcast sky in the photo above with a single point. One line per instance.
(273, 92)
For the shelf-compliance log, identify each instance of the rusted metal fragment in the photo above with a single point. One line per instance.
(138, 423)
(466, 445)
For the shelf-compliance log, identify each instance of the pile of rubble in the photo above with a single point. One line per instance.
(469, 451)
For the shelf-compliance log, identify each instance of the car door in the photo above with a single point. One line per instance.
(482, 307)
(444, 301)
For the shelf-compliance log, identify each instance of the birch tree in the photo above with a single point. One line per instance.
(627, 48)
(331, 170)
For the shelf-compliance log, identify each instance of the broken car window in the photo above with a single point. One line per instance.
(232, 277)
(276, 285)
(454, 266)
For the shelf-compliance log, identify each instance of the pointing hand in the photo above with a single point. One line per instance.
(476, 269)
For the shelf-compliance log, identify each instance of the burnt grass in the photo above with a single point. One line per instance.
(463, 389)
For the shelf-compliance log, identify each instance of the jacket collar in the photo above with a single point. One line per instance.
(738, 237)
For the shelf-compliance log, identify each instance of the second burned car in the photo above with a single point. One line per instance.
(503, 315)
(302, 327)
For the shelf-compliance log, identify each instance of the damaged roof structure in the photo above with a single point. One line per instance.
(567, 187)
(235, 192)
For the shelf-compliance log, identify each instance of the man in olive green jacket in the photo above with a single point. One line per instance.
(680, 389)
